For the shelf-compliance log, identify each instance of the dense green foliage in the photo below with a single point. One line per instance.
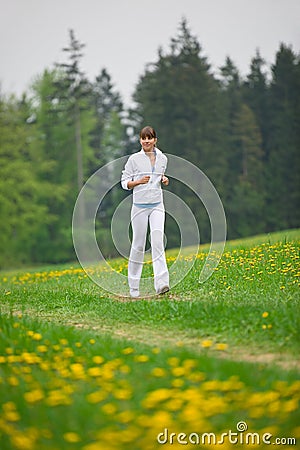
(242, 133)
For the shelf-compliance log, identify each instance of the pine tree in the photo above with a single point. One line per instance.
(284, 157)
(179, 97)
(247, 199)
(256, 95)
(108, 109)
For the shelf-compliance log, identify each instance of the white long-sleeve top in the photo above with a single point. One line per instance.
(139, 165)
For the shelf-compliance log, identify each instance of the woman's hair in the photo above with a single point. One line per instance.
(148, 132)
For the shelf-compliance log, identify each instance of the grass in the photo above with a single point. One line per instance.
(83, 369)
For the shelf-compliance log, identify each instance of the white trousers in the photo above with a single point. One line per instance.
(139, 222)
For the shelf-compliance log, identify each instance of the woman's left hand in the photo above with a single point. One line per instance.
(165, 180)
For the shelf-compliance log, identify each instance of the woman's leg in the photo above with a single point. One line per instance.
(139, 223)
(160, 269)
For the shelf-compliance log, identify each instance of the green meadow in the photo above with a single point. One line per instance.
(205, 365)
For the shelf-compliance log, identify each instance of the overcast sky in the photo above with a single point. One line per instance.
(124, 35)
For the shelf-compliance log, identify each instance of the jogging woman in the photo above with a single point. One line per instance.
(144, 172)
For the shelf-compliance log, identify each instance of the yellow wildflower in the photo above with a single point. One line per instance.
(98, 359)
(127, 350)
(141, 358)
(71, 437)
(34, 396)
(221, 347)
(158, 372)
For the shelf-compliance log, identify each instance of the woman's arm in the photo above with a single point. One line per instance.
(144, 180)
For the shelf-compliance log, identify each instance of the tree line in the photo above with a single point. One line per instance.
(242, 132)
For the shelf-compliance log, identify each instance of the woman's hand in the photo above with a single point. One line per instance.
(144, 180)
(165, 180)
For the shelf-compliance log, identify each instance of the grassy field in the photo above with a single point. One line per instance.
(83, 369)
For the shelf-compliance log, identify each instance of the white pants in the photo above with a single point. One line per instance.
(139, 223)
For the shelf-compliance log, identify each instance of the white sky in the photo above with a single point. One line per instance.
(124, 35)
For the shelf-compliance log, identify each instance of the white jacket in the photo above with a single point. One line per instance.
(139, 165)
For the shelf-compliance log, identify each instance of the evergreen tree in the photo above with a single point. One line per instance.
(108, 110)
(64, 123)
(179, 97)
(283, 161)
(73, 90)
(256, 95)
(246, 203)
(56, 143)
(230, 85)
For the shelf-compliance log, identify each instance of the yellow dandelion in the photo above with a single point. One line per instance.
(13, 381)
(221, 347)
(158, 372)
(37, 337)
(77, 370)
(9, 406)
(96, 397)
(122, 394)
(71, 437)
(58, 397)
(206, 343)
(265, 314)
(109, 408)
(156, 350)
(125, 416)
(174, 361)
(11, 416)
(141, 358)
(127, 350)
(67, 353)
(22, 441)
(177, 382)
(178, 371)
(42, 348)
(34, 396)
(94, 371)
(98, 359)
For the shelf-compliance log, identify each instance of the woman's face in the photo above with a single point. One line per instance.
(148, 143)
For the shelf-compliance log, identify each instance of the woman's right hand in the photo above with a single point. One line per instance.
(144, 180)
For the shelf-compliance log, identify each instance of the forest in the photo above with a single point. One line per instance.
(242, 132)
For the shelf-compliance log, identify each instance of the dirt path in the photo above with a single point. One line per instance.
(158, 337)
(166, 338)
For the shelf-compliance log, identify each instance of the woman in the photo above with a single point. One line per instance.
(144, 172)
